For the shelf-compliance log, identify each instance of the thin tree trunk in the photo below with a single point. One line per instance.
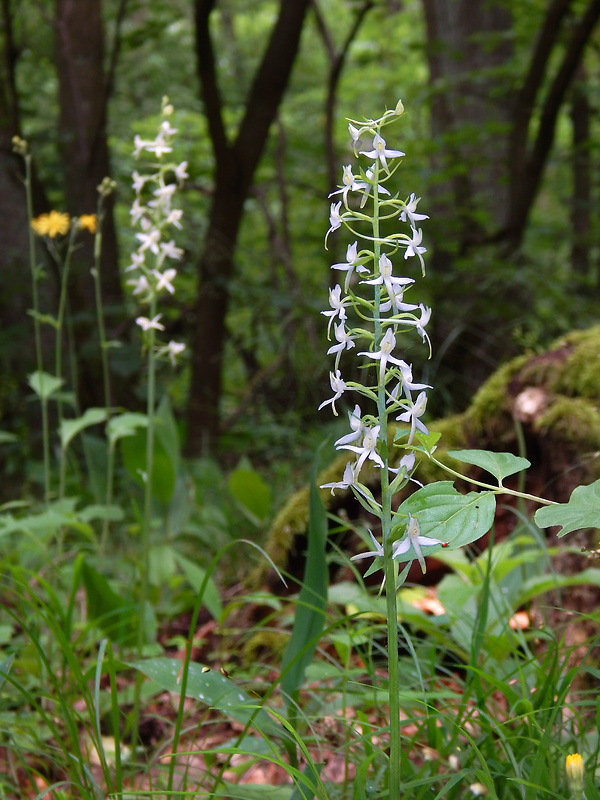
(236, 163)
(582, 173)
(83, 99)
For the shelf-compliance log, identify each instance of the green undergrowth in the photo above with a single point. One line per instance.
(488, 706)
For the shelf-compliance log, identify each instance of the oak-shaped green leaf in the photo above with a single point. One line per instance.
(582, 511)
(445, 514)
(501, 465)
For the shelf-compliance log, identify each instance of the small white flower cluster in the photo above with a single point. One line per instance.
(154, 213)
(387, 312)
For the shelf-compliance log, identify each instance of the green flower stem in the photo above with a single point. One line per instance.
(105, 367)
(146, 519)
(99, 307)
(386, 525)
(36, 327)
(500, 489)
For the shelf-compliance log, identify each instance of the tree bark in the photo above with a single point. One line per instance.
(528, 161)
(581, 201)
(493, 160)
(83, 96)
(236, 163)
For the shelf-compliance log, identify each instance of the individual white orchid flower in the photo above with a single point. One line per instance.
(335, 219)
(140, 284)
(378, 552)
(368, 449)
(409, 212)
(413, 247)
(386, 276)
(344, 342)
(348, 480)
(146, 324)
(338, 387)
(412, 416)
(174, 349)
(420, 323)
(149, 241)
(337, 304)
(351, 184)
(414, 539)
(357, 426)
(352, 263)
(382, 152)
(384, 354)
(164, 280)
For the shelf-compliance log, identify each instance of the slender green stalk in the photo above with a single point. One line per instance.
(104, 356)
(386, 526)
(147, 514)
(499, 489)
(36, 325)
(99, 308)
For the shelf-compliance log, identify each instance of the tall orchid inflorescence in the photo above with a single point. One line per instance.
(371, 310)
(153, 211)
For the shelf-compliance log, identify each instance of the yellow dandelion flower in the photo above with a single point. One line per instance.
(40, 224)
(88, 222)
(53, 224)
(575, 774)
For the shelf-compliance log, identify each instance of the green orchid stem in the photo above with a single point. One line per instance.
(500, 489)
(146, 519)
(36, 328)
(386, 526)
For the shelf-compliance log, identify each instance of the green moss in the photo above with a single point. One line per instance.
(574, 421)
(571, 366)
(579, 375)
(489, 414)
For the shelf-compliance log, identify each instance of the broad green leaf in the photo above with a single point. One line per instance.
(69, 428)
(541, 584)
(5, 668)
(111, 513)
(247, 791)
(44, 384)
(161, 564)
(251, 492)
(501, 465)
(167, 433)
(133, 452)
(307, 786)
(115, 616)
(211, 688)
(582, 511)
(42, 526)
(125, 425)
(445, 514)
(310, 613)
(8, 438)
(195, 576)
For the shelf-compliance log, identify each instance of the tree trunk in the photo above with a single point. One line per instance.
(83, 95)
(18, 359)
(582, 179)
(492, 159)
(236, 163)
